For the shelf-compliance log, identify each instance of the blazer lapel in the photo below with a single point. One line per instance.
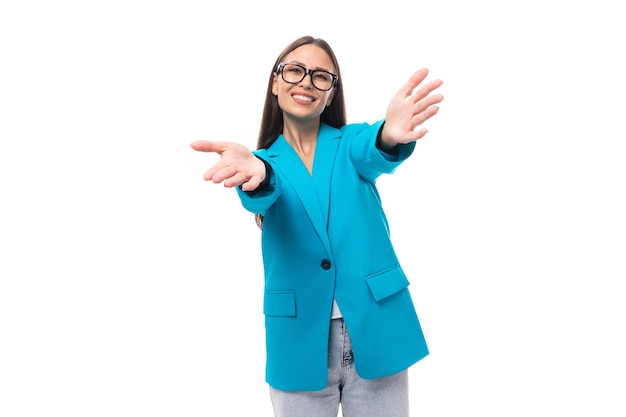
(313, 190)
(323, 164)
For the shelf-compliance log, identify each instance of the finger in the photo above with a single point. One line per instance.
(252, 184)
(235, 180)
(208, 146)
(427, 89)
(420, 118)
(415, 80)
(420, 134)
(415, 135)
(427, 102)
(220, 172)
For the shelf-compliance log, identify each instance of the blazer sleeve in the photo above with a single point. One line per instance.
(259, 200)
(370, 161)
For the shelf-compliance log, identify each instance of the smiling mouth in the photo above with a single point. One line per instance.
(302, 98)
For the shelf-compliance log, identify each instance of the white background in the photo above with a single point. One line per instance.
(131, 287)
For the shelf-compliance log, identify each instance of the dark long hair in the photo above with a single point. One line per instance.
(272, 120)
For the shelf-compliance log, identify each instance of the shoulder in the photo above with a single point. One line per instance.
(349, 130)
(358, 128)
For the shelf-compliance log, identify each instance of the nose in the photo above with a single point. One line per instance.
(307, 81)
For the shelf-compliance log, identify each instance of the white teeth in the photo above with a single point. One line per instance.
(302, 98)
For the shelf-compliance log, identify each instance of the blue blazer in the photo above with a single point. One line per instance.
(325, 235)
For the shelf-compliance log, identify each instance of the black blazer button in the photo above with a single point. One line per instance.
(326, 264)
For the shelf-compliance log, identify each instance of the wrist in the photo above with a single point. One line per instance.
(382, 145)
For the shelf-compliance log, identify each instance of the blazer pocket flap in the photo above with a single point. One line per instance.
(387, 283)
(279, 303)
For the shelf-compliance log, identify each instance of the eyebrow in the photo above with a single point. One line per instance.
(313, 69)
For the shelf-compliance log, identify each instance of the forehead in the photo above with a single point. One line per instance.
(311, 56)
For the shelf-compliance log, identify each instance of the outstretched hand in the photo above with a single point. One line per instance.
(412, 105)
(237, 165)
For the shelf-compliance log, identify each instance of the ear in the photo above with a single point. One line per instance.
(275, 85)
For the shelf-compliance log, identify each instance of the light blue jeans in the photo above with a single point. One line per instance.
(358, 397)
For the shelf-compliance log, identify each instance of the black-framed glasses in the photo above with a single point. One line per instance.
(294, 73)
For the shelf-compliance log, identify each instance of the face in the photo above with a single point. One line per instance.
(302, 100)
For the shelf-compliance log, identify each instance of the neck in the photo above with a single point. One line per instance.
(302, 136)
(303, 140)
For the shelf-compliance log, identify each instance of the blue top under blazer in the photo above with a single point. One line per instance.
(325, 235)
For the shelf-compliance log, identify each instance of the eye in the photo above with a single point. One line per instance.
(293, 69)
(322, 76)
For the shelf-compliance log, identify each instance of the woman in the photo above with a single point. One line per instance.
(330, 267)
